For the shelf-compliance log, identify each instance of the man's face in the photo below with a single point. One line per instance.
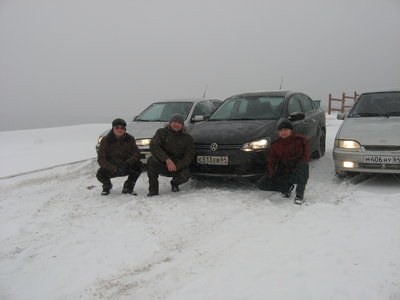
(119, 130)
(285, 132)
(176, 126)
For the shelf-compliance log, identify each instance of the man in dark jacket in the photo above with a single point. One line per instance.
(172, 150)
(287, 163)
(119, 156)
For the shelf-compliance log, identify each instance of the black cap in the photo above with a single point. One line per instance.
(177, 118)
(285, 123)
(118, 121)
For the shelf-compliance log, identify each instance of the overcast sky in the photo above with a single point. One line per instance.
(68, 62)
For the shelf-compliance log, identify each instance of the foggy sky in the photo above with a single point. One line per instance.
(65, 62)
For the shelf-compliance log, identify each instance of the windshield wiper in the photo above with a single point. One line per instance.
(393, 113)
(368, 114)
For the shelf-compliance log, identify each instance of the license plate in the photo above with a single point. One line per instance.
(377, 159)
(212, 160)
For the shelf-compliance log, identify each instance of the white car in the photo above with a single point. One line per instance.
(369, 138)
(144, 126)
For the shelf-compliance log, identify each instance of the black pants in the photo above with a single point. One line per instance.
(133, 173)
(156, 168)
(282, 182)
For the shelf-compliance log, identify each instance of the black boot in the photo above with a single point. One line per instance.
(106, 190)
(299, 200)
(128, 188)
(174, 188)
(152, 194)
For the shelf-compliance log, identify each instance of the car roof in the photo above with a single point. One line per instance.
(278, 93)
(381, 91)
(186, 100)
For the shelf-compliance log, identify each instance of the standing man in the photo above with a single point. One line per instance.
(172, 150)
(118, 156)
(287, 163)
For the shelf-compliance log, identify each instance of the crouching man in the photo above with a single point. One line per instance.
(287, 163)
(119, 156)
(172, 150)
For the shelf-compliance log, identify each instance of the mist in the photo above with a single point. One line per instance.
(74, 62)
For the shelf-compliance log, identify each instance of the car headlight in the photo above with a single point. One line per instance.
(347, 144)
(143, 142)
(257, 145)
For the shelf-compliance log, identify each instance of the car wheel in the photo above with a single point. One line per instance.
(321, 145)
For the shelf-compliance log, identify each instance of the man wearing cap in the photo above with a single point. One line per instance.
(172, 150)
(287, 163)
(119, 156)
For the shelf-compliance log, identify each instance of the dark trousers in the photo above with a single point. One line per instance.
(156, 168)
(133, 173)
(282, 182)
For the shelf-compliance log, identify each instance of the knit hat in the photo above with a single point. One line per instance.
(117, 122)
(285, 123)
(177, 118)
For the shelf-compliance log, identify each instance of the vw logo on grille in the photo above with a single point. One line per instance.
(214, 147)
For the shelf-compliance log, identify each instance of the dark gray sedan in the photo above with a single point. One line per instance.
(235, 139)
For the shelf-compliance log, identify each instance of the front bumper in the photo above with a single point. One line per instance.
(359, 165)
(241, 164)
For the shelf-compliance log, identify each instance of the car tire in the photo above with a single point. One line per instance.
(321, 145)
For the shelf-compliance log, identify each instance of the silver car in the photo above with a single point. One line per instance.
(368, 139)
(144, 126)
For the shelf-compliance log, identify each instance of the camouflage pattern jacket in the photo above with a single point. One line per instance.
(178, 146)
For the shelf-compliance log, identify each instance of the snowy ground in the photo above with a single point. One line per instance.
(214, 240)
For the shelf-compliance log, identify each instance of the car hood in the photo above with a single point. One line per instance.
(142, 130)
(371, 131)
(233, 132)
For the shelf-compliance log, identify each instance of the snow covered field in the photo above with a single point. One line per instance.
(214, 240)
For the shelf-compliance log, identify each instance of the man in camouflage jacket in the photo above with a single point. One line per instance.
(172, 150)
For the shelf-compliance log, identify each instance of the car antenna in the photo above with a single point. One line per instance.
(205, 90)
(280, 87)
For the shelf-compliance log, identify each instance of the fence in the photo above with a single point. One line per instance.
(343, 106)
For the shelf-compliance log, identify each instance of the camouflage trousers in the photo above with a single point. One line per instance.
(282, 182)
(156, 168)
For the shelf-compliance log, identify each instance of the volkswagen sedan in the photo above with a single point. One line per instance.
(234, 141)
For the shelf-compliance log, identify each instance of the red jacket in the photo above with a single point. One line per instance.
(284, 154)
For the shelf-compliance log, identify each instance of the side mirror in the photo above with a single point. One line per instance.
(297, 116)
(200, 118)
(341, 116)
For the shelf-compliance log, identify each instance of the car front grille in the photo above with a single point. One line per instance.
(220, 147)
(379, 166)
(382, 148)
(218, 169)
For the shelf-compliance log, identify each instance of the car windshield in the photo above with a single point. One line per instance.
(249, 108)
(376, 104)
(162, 111)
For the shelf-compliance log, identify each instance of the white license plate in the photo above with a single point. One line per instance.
(212, 160)
(377, 159)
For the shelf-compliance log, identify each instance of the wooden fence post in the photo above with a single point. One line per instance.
(329, 105)
(343, 101)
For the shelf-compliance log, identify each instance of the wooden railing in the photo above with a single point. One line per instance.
(343, 107)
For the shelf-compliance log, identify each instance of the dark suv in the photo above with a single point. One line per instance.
(234, 141)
